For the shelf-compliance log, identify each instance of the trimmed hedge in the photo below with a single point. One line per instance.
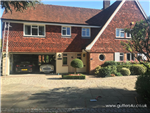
(73, 77)
(137, 69)
(125, 72)
(143, 86)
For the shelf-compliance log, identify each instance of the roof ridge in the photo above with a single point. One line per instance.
(69, 6)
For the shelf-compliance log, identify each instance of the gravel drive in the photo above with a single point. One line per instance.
(50, 93)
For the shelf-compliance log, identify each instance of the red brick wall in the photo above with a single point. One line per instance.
(107, 42)
(53, 42)
(96, 62)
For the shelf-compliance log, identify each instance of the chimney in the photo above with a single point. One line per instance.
(106, 3)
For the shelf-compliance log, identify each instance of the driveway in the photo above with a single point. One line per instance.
(50, 93)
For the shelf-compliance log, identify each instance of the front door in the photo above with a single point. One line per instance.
(71, 56)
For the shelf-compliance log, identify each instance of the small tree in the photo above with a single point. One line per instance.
(76, 63)
(140, 41)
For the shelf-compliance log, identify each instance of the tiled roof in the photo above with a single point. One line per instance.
(53, 13)
(64, 14)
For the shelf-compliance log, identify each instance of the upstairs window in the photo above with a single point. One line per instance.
(85, 32)
(34, 30)
(120, 33)
(66, 31)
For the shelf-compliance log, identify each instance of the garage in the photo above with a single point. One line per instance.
(27, 63)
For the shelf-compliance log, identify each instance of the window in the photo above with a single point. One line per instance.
(85, 32)
(120, 33)
(101, 57)
(34, 30)
(66, 31)
(128, 35)
(121, 56)
(79, 56)
(130, 56)
(64, 59)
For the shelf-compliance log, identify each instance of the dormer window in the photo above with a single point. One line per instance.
(66, 31)
(34, 30)
(85, 32)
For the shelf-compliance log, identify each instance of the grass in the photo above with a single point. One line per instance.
(73, 76)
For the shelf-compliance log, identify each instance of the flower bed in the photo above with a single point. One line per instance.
(73, 76)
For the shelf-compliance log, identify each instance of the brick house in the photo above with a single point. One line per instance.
(69, 32)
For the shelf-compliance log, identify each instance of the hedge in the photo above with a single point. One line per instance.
(125, 72)
(81, 76)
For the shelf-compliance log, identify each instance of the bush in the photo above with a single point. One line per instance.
(143, 86)
(118, 74)
(109, 63)
(119, 67)
(97, 70)
(104, 71)
(113, 69)
(77, 63)
(138, 69)
(111, 75)
(81, 76)
(125, 72)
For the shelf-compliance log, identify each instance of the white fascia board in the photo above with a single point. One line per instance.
(56, 24)
(88, 48)
(140, 7)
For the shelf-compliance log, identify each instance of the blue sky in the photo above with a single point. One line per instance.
(89, 4)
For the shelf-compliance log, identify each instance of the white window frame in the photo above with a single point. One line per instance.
(121, 55)
(130, 57)
(66, 30)
(120, 33)
(85, 31)
(37, 30)
(129, 35)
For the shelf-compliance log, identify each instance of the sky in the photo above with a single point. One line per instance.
(94, 4)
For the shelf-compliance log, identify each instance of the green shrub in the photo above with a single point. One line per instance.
(119, 67)
(109, 63)
(118, 74)
(143, 86)
(104, 71)
(97, 70)
(81, 76)
(118, 63)
(113, 69)
(125, 72)
(76, 63)
(138, 69)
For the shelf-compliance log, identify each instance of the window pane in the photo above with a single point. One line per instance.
(78, 54)
(27, 30)
(64, 28)
(128, 57)
(83, 29)
(88, 32)
(117, 32)
(64, 32)
(128, 35)
(41, 30)
(121, 58)
(122, 34)
(64, 54)
(79, 58)
(65, 60)
(121, 53)
(34, 31)
(83, 33)
(68, 30)
(132, 56)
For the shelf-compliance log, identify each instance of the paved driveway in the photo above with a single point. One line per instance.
(51, 93)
